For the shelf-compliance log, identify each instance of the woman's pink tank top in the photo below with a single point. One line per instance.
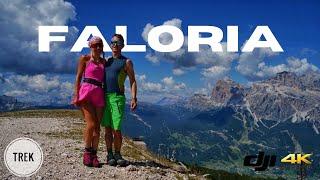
(94, 70)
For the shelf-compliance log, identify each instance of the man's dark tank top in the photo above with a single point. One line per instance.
(115, 75)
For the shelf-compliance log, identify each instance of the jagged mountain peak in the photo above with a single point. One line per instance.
(227, 91)
(285, 96)
(285, 78)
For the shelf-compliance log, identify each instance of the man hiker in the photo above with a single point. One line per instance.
(117, 68)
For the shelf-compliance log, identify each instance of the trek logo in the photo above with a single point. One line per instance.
(23, 157)
(262, 162)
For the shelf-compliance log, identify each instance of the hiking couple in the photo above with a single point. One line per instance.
(101, 98)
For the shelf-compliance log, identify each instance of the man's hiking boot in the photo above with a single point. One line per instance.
(110, 160)
(120, 161)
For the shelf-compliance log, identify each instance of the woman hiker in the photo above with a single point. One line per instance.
(89, 96)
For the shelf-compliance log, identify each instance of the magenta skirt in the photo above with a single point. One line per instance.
(91, 93)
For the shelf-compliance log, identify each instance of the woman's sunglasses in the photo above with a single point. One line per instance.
(97, 45)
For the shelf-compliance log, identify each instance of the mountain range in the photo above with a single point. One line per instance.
(279, 116)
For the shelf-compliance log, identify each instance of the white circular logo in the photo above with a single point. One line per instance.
(23, 157)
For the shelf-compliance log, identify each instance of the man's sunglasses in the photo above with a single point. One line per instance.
(116, 43)
(97, 45)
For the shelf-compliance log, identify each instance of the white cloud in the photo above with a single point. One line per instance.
(141, 77)
(215, 72)
(19, 43)
(146, 31)
(249, 62)
(209, 58)
(164, 38)
(154, 91)
(38, 83)
(179, 86)
(41, 88)
(178, 72)
(300, 66)
(166, 85)
(253, 66)
(152, 58)
(16, 93)
(168, 81)
(184, 60)
(265, 71)
(154, 87)
(144, 85)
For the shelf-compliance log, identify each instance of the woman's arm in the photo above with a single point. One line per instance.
(80, 69)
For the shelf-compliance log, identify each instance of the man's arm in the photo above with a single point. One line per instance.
(133, 83)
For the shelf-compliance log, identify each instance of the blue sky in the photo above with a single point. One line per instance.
(295, 24)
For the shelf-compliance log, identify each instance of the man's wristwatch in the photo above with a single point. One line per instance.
(134, 99)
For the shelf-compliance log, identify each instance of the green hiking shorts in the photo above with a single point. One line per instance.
(113, 111)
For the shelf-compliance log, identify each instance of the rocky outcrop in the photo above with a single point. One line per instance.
(285, 96)
(227, 92)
